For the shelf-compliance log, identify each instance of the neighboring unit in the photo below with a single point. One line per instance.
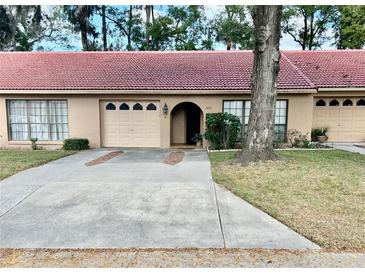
(160, 99)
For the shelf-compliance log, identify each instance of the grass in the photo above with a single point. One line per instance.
(319, 194)
(15, 160)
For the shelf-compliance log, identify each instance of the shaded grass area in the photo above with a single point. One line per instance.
(319, 194)
(15, 160)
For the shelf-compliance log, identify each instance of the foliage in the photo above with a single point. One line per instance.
(80, 17)
(182, 28)
(129, 24)
(234, 29)
(197, 138)
(76, 144)
(222, 130)
(24, 28)
(350, 27)
(307, 25)
(34, 143)
(297, 139)
(318, 132)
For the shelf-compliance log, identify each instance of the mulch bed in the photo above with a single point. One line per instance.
(104, 158)
(174, 157)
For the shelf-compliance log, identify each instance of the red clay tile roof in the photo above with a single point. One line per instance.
(215, 70)
(332, 68)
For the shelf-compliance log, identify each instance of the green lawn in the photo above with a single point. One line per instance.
(320, 194)
(14, 160)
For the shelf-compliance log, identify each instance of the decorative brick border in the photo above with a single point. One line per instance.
(174, 157)
(104, 158)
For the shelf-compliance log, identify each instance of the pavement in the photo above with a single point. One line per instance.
(356, 148)
(132, 201)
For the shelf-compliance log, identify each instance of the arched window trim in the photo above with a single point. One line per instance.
(321, 103)
(347, 103)
(360, 103)
(124, 106)
(334, 103)
(110, 106)
(151, 106)
(137, 106)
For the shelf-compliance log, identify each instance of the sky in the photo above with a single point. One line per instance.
(286, 42)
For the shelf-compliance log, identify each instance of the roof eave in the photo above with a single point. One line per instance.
(342, 89)
(146, 91)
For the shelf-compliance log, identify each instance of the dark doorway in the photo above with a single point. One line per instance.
(192, 122)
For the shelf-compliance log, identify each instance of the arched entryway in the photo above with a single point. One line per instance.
(186, 122)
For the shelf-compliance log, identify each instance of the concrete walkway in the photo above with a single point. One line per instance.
(133, 200)
(350, 147)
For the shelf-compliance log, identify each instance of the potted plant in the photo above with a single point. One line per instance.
(319, 134)
(197, 139)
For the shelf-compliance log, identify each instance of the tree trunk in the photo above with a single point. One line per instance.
(83, 20)
(148, 24)
(103, 28)
(129, 34)
(260, 133)
(305, 34)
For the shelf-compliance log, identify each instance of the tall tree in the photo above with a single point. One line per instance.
(307, 25)
(350, 27)
(129, 22)
(149, 12)
(24, 28)
(7, 27)
(103, 28)
(260, 133)
(233, 28)
(80, 16)
(182, 28)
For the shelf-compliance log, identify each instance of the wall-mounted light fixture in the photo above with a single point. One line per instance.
(165, 109)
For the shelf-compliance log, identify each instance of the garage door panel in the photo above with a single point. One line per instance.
(131, 128)
(345, 123)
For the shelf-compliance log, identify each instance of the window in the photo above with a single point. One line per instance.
(360, 102)
(334, 103)
(110, 106)
(242, 110)
(151, 107)
(124, 106)
(45, 120)
(347, 103)
(280, 120)
(137, 106)
(321, 103)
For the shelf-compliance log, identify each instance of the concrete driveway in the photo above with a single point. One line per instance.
(132, 200)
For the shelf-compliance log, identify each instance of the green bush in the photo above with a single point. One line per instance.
(222, 130)
(76, 144)
(318, 132)
(34, 143)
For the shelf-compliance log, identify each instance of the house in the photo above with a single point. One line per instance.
(160, 99)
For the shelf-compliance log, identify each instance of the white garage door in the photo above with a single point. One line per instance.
(130, 123)
(344, 117)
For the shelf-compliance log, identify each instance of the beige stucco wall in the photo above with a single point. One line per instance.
(84, 113)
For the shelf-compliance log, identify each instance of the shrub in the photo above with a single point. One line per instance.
(222, 130)
(318, 132)
(34, 143)
(76, 144)
(297, 139)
